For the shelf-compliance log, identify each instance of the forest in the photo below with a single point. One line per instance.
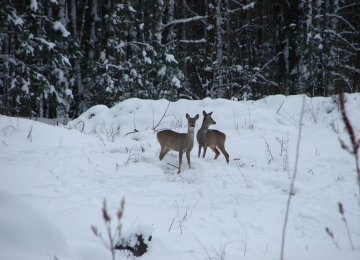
(60, 57)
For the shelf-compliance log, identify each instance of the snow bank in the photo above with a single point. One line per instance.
(25, 234)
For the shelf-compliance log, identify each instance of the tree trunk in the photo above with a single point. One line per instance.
(219, 46)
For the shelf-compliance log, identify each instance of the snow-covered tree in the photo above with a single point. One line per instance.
(36, 52)
(329, 45)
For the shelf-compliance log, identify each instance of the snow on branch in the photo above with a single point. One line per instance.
(338, 17)
(34, 5)
(50, 45)
(243, 8)
(348, 6)
(352, 68)
(249, 6)
(15, 19)
(194, 41)
(58, 26)
(263, 67)
(343, 39)
(186, 20)
(170, 58)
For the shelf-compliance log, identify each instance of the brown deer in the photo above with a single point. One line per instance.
(180, 142)
(211, 138)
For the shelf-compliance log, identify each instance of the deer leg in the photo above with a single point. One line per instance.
(180, 160)
(205, 148)
(161, 155)
(222, 149)
(199, 150)
(188, 158)
(163, 152)
(216, 151)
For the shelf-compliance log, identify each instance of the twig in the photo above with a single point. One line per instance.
(245, 248)
(193, 207)
(134, 121)
(173, 165)
(206, 251)
(6, 128)
(162, 117)
(132, 156)
(180, 223)
(281, 142)
(341, 210)
(112, 236)
(29, 136)
(269, 150)
(292, 184)
(132, 132)
(330, 233)
(172, 222)
(238, 165)
(82, 128)
(277, 112)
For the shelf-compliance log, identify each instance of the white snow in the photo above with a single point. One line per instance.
(58, 26)
(249, 6)
(58, 176)
(146, 58)
(25, 86)
(65, 60)
(176, 82)
(15, 19)
(131, 9)
(50, 45)
(33, 5)
(162, 71)
(239, 68)
(170, 58)
(27, 235)
(318, 37)
(68, 93)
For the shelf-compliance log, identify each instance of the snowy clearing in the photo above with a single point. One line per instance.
(53, 180)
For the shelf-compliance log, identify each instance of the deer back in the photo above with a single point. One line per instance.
(215, 137)
(175, 141)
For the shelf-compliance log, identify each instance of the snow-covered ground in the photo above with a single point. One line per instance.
(53, 180)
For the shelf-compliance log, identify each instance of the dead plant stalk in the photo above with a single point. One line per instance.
(355, 143)
(292, 184)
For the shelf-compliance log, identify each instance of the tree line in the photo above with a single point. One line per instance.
(59, 57)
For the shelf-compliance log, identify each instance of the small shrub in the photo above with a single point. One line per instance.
(137, 244)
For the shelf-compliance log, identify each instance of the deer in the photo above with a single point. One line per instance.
(179, 142)
(211, 138)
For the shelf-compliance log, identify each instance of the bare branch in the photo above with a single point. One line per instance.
(185, 20)
(163, 116)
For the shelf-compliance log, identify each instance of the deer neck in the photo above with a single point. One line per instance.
(204, 127)
(190, 133)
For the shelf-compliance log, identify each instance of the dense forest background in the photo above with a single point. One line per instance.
(59, 57)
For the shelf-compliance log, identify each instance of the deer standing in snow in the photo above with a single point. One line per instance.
(180, 142)
(211, 138)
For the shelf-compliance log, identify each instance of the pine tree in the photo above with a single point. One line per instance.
(329, 45)
(37, 60)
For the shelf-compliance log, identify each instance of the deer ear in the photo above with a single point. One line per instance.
(187, 116)
(211, 113)
(204, 113)
(197, 116)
